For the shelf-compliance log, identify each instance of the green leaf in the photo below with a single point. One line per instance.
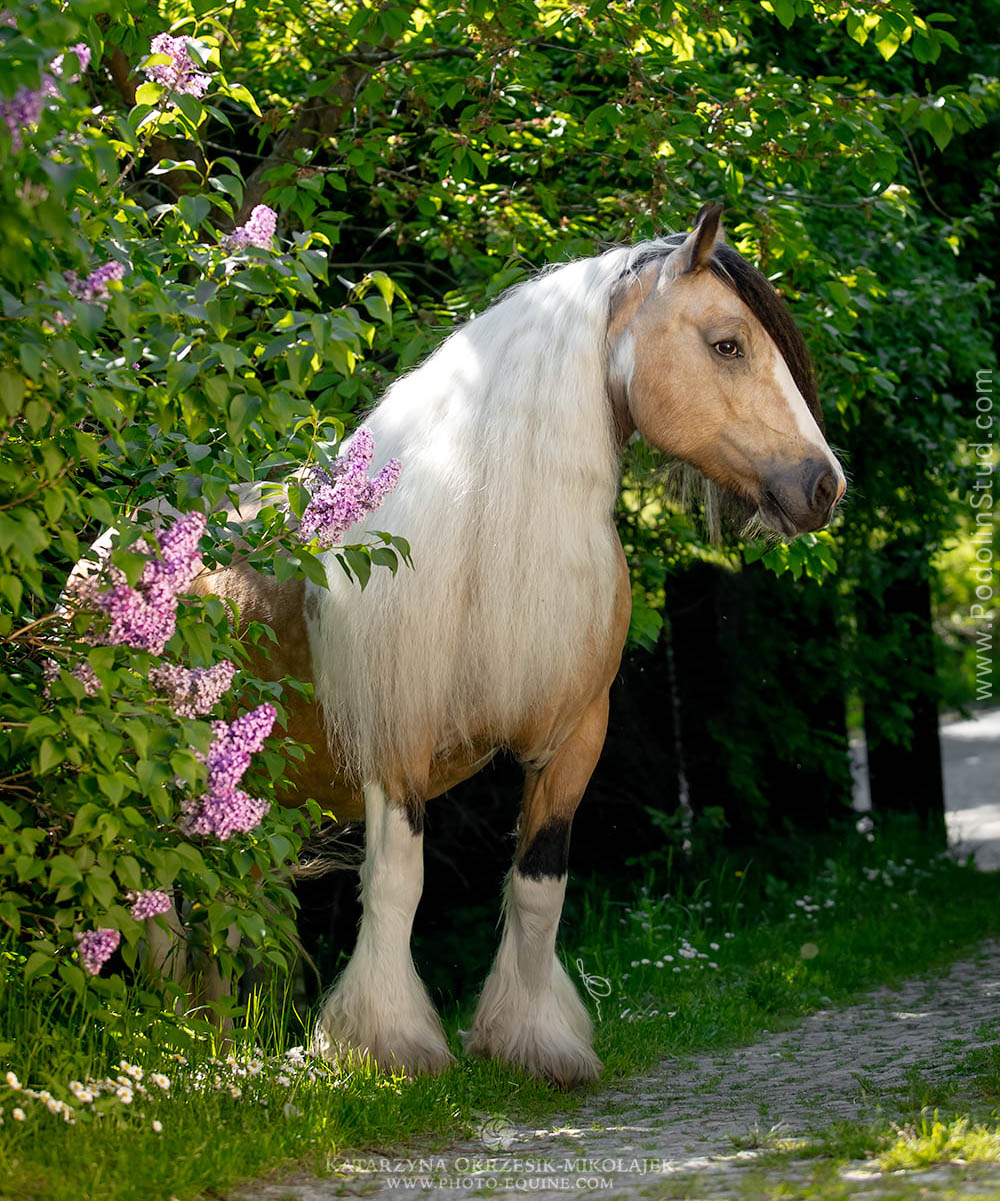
(149, 92)
(85, 819)
(243, 409)
(194, 209)
(192, 108)
(50, 755)
(784, 10)
(382, 556)
(359, 562)
(63, 870)
(237, 91)
(11, 392)
(101, 887)
(938, 124)
(39, 964)
(313, 569)
(316, 263)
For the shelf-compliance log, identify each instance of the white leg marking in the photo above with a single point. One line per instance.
(379, 1005)
(530, 1013)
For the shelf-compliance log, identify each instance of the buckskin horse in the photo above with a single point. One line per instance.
(509, 631)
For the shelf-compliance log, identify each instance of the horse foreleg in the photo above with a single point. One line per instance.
(529, 1012)
(379, 1006)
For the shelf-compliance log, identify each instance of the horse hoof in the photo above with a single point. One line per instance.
(390, 1053)
(564, 1063)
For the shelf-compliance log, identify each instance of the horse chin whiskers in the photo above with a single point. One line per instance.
(757, 529)
(718, 508)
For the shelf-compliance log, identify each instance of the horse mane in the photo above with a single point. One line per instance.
(510, 467)
(507, 491)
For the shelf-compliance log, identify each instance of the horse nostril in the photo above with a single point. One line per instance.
(826, 490)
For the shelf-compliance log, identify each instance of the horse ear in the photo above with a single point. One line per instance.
(707, 232)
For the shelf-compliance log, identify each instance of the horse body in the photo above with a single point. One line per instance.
(509, 631)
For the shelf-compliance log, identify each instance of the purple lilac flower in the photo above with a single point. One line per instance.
(83, 672)
(149, 903)
(226, 809)
(345, 494)
(258, 231)
(180, 558)
(145, 617)
(196, 691)
(96, 947)
(95, 286)
(224, 814)
(82, 52)
(24, 109)
(180, 75)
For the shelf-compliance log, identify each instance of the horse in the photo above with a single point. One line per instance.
(508, 632)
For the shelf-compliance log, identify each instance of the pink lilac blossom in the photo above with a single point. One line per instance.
(95, 286)
(180, 75)
(226, 809)
(24, 109)
(193, 692)
(224, 814)
(145, 617)
(149, 903)
(82, 52)
(83, 672)
(96, 947)
(258, 231)
(345, 494)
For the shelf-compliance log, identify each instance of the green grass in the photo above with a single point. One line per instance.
(849, 923)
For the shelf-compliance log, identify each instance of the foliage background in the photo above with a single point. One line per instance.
(422, 157)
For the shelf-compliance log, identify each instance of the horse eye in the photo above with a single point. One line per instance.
(729, 350)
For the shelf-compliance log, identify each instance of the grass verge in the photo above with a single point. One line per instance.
(668, 972)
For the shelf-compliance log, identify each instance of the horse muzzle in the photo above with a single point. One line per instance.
(797, 500)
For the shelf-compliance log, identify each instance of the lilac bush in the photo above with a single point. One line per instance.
(149, 903)
(117, 787)
(95, 285)
(81, 671)
(145, 617)
(24, 109)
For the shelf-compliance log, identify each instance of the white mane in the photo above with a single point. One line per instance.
(506, 495)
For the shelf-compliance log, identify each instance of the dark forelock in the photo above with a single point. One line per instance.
(756, 291)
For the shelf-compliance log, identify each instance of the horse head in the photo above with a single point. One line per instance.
(707, 364)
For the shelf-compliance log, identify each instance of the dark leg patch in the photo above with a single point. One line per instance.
(413, 808)
(548, 852)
